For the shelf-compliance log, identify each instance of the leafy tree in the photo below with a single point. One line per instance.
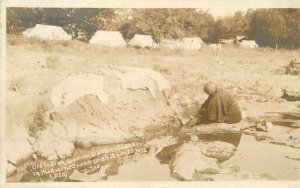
(269, 27)
(168, 23)
(292, 17)
(230, 26)
(87, 20)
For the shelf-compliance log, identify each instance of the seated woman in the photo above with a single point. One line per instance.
(219, 107)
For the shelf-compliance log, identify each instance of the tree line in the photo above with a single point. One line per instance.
(268, 27)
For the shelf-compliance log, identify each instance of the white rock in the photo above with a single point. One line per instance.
(76, 86)
(52, 147)
(34, 156)
(135, 80)
(189, 160)
(156, 76)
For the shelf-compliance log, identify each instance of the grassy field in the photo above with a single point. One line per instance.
(250, 74)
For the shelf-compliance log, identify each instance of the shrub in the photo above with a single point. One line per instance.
(38, 123)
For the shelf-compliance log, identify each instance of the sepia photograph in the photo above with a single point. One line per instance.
(150, 93)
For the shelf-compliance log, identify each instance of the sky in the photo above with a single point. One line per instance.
(216, 7)
(225, 8)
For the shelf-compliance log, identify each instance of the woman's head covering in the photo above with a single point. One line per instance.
(210, 88)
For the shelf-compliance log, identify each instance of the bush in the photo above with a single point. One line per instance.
(38, 123)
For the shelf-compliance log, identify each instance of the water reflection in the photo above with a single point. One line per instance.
(166, 154)
(232, 138)
(229, 137)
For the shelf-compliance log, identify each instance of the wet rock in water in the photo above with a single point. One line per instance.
(167, 153)
(83, 177)
(263, 125)
(220, 127)
(281, 136)
(10, 169)
(53, 147)
(161, 142)
(219, 150)
(189, 161)
(192, 134)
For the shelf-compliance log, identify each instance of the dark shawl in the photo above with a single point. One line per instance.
(221, 107)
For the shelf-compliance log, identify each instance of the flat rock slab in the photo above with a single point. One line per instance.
(215, 128)
(278, 135)
(197, 160)
(189, 160)
(218, 150)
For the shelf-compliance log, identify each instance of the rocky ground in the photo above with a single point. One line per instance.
(56, 122)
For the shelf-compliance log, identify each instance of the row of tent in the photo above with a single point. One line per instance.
(241, 41)
(113, 38)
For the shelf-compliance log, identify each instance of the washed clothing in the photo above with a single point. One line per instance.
(221, 108)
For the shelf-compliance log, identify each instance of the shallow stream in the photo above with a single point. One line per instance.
(274, 162)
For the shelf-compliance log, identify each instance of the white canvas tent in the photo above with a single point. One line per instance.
(108, 38)
(48, 32)
(142, 41)
(193, 43)
(248, 44)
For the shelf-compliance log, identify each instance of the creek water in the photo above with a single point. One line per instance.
(265, 158)
(251, 156)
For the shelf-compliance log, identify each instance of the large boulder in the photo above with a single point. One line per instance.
(198, 160)
(51, 146)
(91, 109)
(189, 161)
